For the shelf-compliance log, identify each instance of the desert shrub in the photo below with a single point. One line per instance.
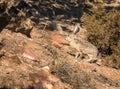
(69, 72)
(103, 28)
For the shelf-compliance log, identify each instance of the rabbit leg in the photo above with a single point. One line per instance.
(91, 59)
(77, 55)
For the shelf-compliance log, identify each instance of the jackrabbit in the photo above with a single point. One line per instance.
(83, 46)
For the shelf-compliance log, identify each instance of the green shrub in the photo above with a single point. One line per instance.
(103, 28)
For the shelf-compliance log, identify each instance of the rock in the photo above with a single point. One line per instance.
(28, 23)
(36, 33)
(19, 44)
(58, 40)
(56, 44)
(99, 1)
(29, 54)
(87, 67)
(45, 79)
(25, 26)
(110, 73)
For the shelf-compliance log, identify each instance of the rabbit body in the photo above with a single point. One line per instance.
(84, 47)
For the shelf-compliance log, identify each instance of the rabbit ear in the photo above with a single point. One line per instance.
(76, 29)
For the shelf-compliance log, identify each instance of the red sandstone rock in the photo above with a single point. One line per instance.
(87, 67)
(56, 44)
(29, 54)
(59, 39)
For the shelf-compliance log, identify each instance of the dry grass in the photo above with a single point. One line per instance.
(70, 72)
